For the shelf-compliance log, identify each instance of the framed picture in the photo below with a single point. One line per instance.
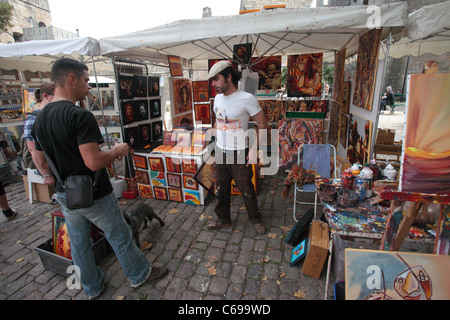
(174, 180)
(157, 130)
(202, 113)
(184, 139)
(201, 92)
(141, 110)
(155, 108)
(189, 166)
(242, 53)
(269, 71)
(153, 86)
(126, 87)
(140, 162)
(175, 66)
(158, 178)
(205, 176)
(181, 95)
(173, 165)
(132, 136)
(140, 86)
(160, 193)
(299, 252)
(175, 195)
(156, 164)
(60, 238)
(304, 77)
(145, 191)
(128, 112)
(189, 182)
(145, 134)
(192, 197)
(169, 138)
(142, 177)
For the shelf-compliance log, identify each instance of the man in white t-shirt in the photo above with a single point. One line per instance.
(233, 110)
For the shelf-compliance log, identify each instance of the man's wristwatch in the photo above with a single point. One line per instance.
(47, 175)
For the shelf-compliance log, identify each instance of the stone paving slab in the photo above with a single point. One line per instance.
(233, 263)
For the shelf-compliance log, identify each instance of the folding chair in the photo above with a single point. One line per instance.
(314, 157)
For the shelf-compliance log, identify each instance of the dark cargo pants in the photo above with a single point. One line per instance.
(233, 167)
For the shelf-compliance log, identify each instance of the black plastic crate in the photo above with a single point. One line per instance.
(58, 264)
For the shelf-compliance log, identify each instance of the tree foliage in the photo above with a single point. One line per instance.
(6, 12)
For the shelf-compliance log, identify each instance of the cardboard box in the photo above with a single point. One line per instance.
(385, 136)
(318, 245)
(41, 192)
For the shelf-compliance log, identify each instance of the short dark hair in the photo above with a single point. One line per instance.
(63, 66)
(235, 75)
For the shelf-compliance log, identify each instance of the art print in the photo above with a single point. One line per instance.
(181, 95)
(192, 197)
(343, 130)
(184, 139)
(169, 138)
(145, 134)
(201, 92)
(272, 109)
(132, 136)
(156, 164)
(142, 177)
(140, 162)
(338, 80)
(242, 53)
(175, 195)
(141, 111)
(269, 71)
(205, 176)
(174, 180)
(153, 86)
(128, 112)
(60, 238)
(157, 130)
(145, 191)
(184, 121)
(175, 66)
(158, 178)
(333, 129)
(359, 139)
(305, 75)
(189, 166)
(160, 193)
(126, 87)
(140, 86)
(198, 139)
(155, 108)
(202, 113)
(189, 182)
(173, 165)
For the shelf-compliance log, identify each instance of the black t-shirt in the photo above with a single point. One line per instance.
(59, 129)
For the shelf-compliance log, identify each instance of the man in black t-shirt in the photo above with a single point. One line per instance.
(70, 136)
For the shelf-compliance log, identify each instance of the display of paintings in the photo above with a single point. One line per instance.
(141, 110)
(169, 138)
(426, 158)
(142, 177)
(242, 53)
(157, 130)
(343, 130)
(140, 162)
(192, 197)
(158, 178)
(184, 121)
(345, 97)
(107, 121)
(205, 176)
(175, 66)
(153, 86)
(189, 182)
(393, 275)
(128, 112)
(366, 69)
(293, 134)
(189, 166)
(60, 238)
(156, 164)
(145, 191)
(198, 138)
(145, 134)
(304, 77)
(132, 136)
(269, 71)
(29, 100)
(359, 139)
(201, 92)
(140, 86)
(173, 165)
(202, 113)
(175, 195)
(181, 95)
(338, 79)
(174, 180)
(155, 108)
(304, 106)
(333, 129)
(160, 193)
(125, 87)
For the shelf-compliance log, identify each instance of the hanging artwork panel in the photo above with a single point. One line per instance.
(272, 109)
(242, 53)
(366, 69)
(338, 80)
(175, 66)
(200, 91)
(139, 86)
(359, 140)
(345, 97)
(153, 86)
(305, 75)
(269, 71)
(181, 95)
(125, 87)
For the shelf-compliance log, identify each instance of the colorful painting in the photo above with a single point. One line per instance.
(175, 195)
(185, 120)
(158, 178)
(392, 275)
(145, 191)
(181, 95)
(269, 71)
(174, 180)
(359, 140)
(338, 80)
(61, 239)
(366, 69)
(192, 197)
(169, 138)
(426, 159)
(272, 109)
(189, 182)
(184, 139)
(305, 75)
(175, 66)
(173, 165)
(160, 193)
(293, 134)
(156, 164)
(140, 162)
(198, 138)
(142, 177)
(202, 113)
(201, 91)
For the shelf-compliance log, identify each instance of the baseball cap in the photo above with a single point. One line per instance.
(218, 67)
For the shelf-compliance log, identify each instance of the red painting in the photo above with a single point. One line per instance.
(305, 75)
(269, 71)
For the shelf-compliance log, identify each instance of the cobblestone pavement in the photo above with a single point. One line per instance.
(234, 263)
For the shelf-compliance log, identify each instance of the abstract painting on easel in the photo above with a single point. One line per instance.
(426, 159)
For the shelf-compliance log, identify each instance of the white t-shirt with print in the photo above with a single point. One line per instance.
(232, 115)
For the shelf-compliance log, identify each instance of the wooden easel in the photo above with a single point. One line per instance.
(393, 239)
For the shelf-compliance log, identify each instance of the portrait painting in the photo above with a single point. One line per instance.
(175, 66)
(128, 112)
(304, 77)
(269, 71)
(189, 182)
(175, 195)
(184, 121)
(153, 86)
(160, 193)
(189, 166)
(156, 164)
(366, 69)
(157, 130)
(181, 95)
(140, 162)
(132, 136)
(145, 134)
(155, 108)
(145, 191)
(242, 53)
(142, 177)
(174, 180)
(202, 113)
(141, 110)
(359, 139)
(201, 92)
(126, 87)
(169, 138)
(158, 178)
(140, 86)
(173, 165)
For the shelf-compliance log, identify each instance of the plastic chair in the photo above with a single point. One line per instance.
(314, 157)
